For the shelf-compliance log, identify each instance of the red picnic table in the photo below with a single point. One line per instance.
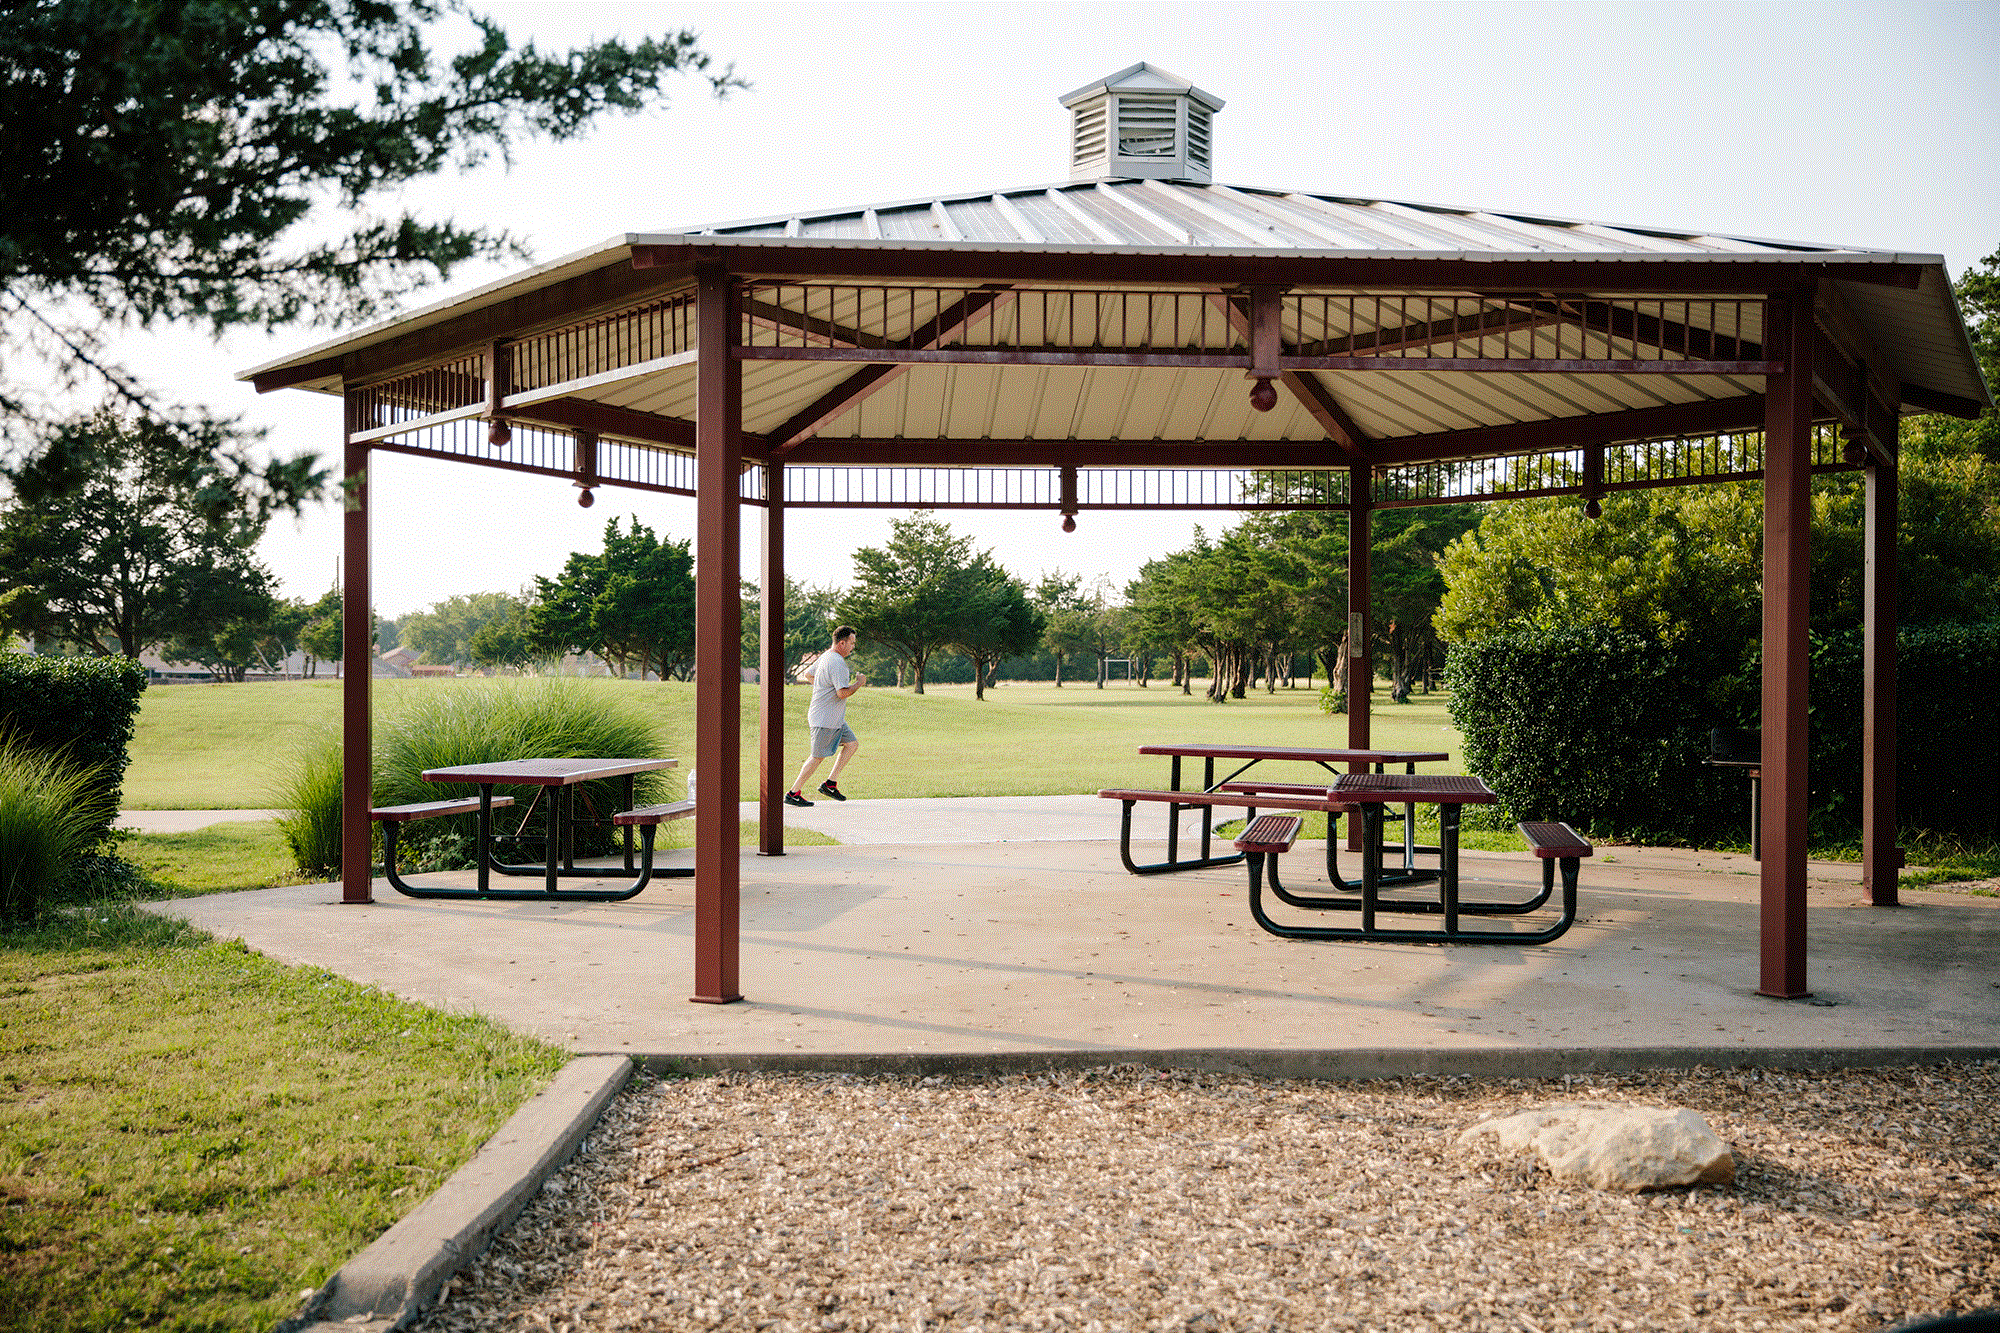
(1277, 795)
(559, 777)
(1264, 840)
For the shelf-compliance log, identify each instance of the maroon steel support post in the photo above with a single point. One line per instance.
(1881, 858)
(1360, 668)
(357, 625)
(771, 775)
(1788, 405)
(718, 639)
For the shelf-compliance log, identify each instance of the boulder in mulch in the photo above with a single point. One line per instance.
(1613, 1147)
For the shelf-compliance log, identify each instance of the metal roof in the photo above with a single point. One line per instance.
(1157, 214)
(1080, 228)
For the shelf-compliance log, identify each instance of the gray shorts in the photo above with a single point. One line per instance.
(826, 740)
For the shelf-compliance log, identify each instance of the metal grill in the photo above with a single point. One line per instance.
(1666, 461)
(1633, 465)
(629, 338)
(913, 318)
(1041, 488)
(407, 402)
(1326, 330)
(551, 452)
(1403, 328)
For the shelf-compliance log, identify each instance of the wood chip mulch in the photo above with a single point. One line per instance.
(1133, 1198)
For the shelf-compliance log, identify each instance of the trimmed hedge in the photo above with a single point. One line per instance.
(1596, 727)
(1947, 727)
(82, 709)
(1609, 731)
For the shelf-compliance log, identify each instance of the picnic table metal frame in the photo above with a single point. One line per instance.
(562, 777)
(1371, 793)
(1325, 757)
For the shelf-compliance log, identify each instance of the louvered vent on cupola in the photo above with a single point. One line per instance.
(1141, 122)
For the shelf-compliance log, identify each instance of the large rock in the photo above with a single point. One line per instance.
(1614, 1147)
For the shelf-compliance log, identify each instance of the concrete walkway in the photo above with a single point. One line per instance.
(1023, 934)
(186, 821)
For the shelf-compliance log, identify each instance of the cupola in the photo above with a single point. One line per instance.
(1141, 122)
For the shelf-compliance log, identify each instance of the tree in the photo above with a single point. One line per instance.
(1163, 610)
(999, 621)
(444, 634)
(914, 593)
(1683, 565)
(503, 642)
(250, 639)
(322, 639)
(811, 613)
(1066, 617)
(1978, 292)
(214, 162)
(633, 601)
(118, 538)
(1406, 586)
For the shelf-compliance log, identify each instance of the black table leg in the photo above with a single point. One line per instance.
(1448, 863)
(1371, 862)
(628, 828)
(483, 847)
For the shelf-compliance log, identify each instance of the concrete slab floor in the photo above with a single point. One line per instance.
(1051, 947)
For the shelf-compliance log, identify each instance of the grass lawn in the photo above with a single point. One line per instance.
(192, 1135)
(217, 747)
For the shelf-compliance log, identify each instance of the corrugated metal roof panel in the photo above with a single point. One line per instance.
(1182, 213)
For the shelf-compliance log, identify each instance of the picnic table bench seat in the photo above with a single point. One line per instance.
(403, 814)
(654, 815)
(647, 819)
(1303, 797)
(1270, 835)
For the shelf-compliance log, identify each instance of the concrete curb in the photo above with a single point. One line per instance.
(1503, 1062)
(394, 1279)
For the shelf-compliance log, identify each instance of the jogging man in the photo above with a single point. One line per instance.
(827, 716)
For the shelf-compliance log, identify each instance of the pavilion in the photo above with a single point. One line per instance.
(1141, 337)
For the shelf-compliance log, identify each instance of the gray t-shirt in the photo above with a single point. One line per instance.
(830, 674)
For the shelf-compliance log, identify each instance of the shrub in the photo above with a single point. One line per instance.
(51, 812)
(81, 708)
(1947, 728)
(1599, 728)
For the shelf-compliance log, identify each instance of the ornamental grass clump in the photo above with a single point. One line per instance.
(308, 792)
(51, 815)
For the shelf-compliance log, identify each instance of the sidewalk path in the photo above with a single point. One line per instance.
(855, 822)
(186, 821)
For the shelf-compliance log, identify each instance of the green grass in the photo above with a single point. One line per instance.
(210, 746)
(222, 858)
(191, 1134)
(217, 747)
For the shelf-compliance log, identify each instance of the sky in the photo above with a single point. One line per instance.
(1873, 125)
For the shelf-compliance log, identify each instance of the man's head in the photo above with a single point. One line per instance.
(843, 640)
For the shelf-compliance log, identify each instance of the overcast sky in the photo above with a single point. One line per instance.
(1873, 125)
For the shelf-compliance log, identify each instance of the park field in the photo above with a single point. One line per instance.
(220, 747)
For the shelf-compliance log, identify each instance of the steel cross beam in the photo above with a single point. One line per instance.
(1426, 333)
(1317, 400)
(849, 393)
